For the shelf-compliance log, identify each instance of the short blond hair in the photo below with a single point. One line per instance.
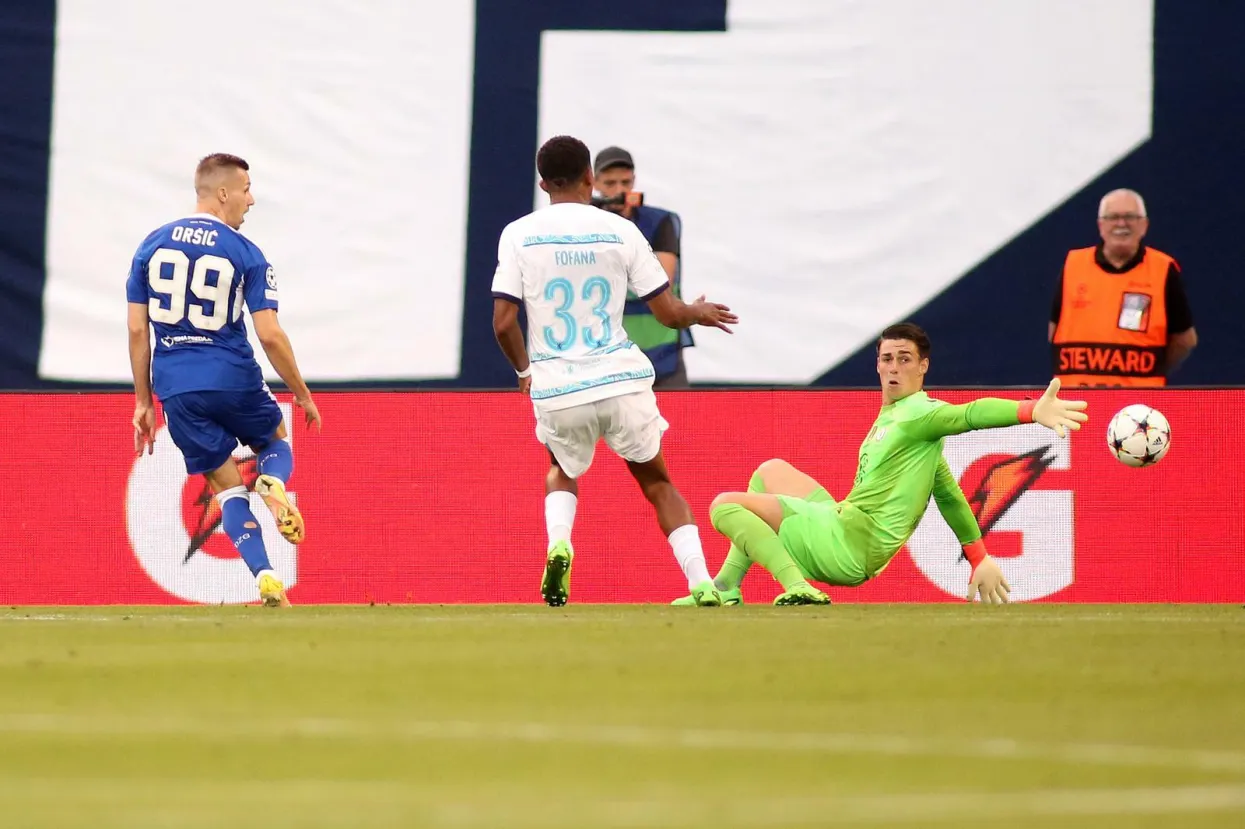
(215, 163)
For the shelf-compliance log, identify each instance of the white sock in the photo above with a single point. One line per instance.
(560, 515)
(233, 492)
(685, 541)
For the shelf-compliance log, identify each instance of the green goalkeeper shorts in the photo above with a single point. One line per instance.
(812, 532)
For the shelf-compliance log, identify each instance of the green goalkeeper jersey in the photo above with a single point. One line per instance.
(901, 465)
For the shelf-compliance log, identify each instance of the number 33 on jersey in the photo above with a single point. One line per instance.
(571, 266)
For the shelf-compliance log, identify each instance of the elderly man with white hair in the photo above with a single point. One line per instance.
(1120, 316)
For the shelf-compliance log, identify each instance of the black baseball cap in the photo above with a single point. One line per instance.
(612, 157)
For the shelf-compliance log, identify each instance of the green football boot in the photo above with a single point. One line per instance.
(802, 594)
(728, 598)
(555, 586)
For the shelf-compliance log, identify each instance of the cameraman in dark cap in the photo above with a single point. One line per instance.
(614, 181)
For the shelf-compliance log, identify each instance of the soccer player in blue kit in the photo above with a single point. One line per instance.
(189, 280)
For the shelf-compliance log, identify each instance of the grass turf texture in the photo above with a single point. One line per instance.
(941, 715)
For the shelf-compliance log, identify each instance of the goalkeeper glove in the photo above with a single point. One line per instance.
(1060, 415)
(987, 579)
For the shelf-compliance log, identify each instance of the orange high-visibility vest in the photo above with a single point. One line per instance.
(1112, 328)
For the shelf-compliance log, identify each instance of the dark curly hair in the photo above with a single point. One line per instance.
(562, 161)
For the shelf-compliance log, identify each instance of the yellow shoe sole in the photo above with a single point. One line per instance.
(289, 520)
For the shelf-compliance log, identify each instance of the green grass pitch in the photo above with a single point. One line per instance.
(623, 716)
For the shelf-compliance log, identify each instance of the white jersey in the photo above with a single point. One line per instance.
(571, 265)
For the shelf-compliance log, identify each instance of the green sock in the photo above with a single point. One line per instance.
(758, 541)
(731, 573)
(733, 570)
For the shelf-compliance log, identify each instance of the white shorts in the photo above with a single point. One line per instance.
(630, 424)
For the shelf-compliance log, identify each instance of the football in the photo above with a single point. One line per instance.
(1139, 435)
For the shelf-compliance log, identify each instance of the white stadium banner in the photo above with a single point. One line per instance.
(837, 164)
(355, 119)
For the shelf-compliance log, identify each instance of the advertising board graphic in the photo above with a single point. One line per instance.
(438, 497)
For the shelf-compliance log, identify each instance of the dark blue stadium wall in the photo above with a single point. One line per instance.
(27, 38)
(1191, 173)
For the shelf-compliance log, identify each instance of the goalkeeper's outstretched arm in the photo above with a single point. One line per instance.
(993, 412)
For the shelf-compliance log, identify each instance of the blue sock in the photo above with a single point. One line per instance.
(243, 529)
(276, 459)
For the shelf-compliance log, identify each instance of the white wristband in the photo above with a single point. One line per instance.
(527, 372)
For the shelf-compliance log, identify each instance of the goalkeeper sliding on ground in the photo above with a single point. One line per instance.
(789, 524)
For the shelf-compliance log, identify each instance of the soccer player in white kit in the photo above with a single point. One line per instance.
(570, 266)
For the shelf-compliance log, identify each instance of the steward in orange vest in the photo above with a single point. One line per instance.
(1112, 325)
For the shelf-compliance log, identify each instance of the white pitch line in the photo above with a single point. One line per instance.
(922, 809)
(640, 737)
(203, 802)
(830, 810)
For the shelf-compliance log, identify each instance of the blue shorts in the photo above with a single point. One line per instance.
(208, 425)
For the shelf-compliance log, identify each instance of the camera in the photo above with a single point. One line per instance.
(633, 198)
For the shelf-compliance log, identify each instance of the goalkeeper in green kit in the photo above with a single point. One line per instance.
(789, 524)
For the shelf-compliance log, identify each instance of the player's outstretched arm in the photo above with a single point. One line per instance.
(986, 578)
(673, 312)
(648, 279)
(510, 337)
(276, 345)
(1050, 410)
(140, 366)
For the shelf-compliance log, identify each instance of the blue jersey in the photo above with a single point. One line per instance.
(194, 275)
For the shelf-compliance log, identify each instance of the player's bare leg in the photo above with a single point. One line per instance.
(751, 521)
(276, 463)
(242, 527)
(676, 521)
(561, 497)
